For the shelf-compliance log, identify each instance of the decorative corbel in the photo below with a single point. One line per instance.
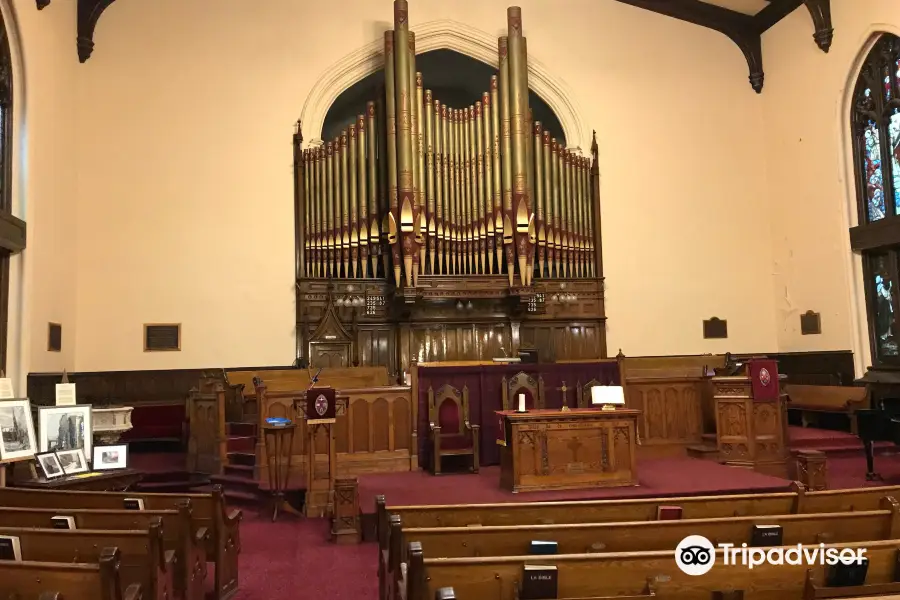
(42, 4)
(820, 11)
(89, 12)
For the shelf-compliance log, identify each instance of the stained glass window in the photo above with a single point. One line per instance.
(883, 291)
(876, 131)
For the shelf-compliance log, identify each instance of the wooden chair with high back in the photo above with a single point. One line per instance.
(583, 393)
(451, 432)
(523, 383)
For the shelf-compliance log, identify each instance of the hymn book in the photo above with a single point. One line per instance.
(63, 522)
(766, 535)
(10, 548)
(841, 575)
(540, 582)
(542, 547)
(133, 503)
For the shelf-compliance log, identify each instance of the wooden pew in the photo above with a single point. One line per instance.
(80, 581)
(209, 511)
(457, 542)
(143, 560)
(641, 575)
(180, 534)
(810, 400)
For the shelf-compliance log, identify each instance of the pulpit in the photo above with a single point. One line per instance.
(567, 449)
(751, 419)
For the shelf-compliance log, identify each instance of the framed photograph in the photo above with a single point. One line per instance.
(16, 430)
(72, 461)
(110, 457)
(49, 464)
(63, 428)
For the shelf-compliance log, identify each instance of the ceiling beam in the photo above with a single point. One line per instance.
(89, 12)
(740, 28)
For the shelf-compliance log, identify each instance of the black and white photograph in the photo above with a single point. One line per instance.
(49, 464)
(72, 461)
(110, 457)
(64, 428)
(16, 430)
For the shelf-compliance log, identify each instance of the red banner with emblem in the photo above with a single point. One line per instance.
(764, 379)
(501, 428)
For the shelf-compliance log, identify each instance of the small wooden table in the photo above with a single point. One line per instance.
(573, 449)
(279, 466)
(119, 480)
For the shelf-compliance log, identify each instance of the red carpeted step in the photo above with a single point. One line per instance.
(242, 443)
(245, 471)
(709, 438)
(241, 498)
(242, 458)
(704, 452)
(242, 429)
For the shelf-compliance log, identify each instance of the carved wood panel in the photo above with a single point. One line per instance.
(565, 341)
(671, 410)
(459, 341)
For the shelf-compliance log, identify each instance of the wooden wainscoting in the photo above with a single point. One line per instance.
(373, 435)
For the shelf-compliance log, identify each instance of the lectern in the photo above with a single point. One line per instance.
(320, 406)
(751, 418)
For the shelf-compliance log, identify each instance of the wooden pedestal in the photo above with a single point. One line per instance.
(812, 470)
(345, 525)
(750, 433)
(319, 486)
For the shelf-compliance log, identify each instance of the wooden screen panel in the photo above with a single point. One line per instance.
(400, 408)
(376, 348)
(361, 424)
(381, 426)
(459, 342)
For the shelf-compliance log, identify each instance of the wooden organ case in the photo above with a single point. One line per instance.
(437, 233)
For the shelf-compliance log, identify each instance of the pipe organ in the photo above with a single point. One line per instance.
(419, 203)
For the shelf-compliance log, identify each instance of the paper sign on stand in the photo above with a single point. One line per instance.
(65, 394)
(6, 389)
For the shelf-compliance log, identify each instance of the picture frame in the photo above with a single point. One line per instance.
(49, 464)
(73, 461)
(63, 428)
(17, 435)
(114, 456)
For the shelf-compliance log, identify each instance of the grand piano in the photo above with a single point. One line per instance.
(878, 424)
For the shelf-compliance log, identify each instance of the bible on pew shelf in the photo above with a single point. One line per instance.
(543, 547)
(766, 535)
(9, 548)
(841, 575)
(63, 522)
(133, 503)
(539, 582)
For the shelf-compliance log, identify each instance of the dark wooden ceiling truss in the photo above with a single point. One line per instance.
(744, 30)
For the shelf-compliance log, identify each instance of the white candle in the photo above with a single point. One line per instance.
(521, 402)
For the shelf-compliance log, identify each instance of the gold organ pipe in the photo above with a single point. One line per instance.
(557, 210)
(464, 188)
(418, 137)
(457, 192)
(506, 159)
(539, 197)
(595, 207)
(589, 215)
(452, 187)
(405, 150)
(548, 201)
(438, 142)
(312, 195)
(488, 181)
(353, 193)
(496, 184)
(362, 180)
(532, 218)
(479, 188)
(576, 200)
(428, 118)
(328, 229)
(585, 219)
(345, 202)
(573, 205)
(393, 218)
(520, 138)
(302, 175)
(373, 189)
(321, 231)
(445, 196)
(566, 211)
(473, 193)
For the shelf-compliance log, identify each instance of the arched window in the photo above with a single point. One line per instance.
(876, 145)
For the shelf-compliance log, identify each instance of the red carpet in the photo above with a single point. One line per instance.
(660, 477)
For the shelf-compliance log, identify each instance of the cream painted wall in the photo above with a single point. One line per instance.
(184, 171)
(811, 188)
(43, 285)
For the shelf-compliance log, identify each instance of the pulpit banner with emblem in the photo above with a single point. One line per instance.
(501, 428)
(764, 379)
(320, 405)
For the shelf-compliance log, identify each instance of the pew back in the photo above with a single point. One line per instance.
(99, 581)
(634, 574)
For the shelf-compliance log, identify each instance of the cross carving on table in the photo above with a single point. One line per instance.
(565, 397)
(574, 445)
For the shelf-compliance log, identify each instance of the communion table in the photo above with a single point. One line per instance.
(567, 449)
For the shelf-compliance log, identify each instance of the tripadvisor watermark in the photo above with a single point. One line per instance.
(696, 555)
